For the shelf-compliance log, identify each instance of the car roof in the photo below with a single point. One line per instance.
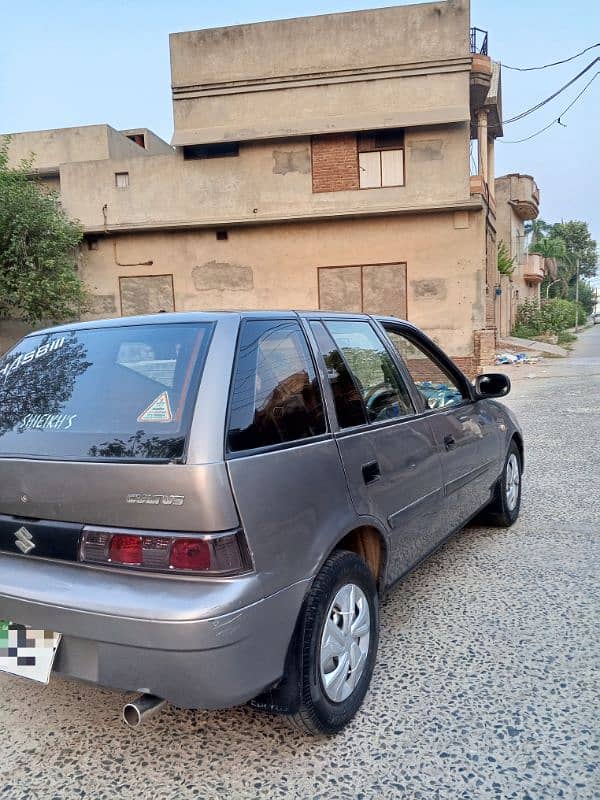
(201, 316)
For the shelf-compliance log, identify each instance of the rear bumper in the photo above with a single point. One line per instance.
(163, 636)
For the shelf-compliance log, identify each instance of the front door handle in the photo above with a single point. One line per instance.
(449, 442)
(371, 472)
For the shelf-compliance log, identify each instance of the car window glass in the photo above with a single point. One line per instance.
(381, 387)
(435, 385)
(348, 402)
(108, 392)
(275, 397)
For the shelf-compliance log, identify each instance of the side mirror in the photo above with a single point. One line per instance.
(492, 384)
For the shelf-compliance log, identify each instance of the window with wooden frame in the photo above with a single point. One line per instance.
(368, 288)
(381, 159)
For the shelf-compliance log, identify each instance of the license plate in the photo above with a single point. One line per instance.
(26, 651)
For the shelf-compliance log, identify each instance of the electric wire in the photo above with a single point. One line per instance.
(553, 63)
(552, 96)
(554, 121)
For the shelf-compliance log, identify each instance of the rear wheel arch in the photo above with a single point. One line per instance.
(369, 543)
(518, 440)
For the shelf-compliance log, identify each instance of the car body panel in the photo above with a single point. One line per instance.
(296, 523)
(471, 466)
(407, 495)
(123, 495)
(197, 644)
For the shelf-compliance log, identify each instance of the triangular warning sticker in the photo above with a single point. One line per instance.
(159, 410)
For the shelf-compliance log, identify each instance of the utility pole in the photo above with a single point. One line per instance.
(577, 297)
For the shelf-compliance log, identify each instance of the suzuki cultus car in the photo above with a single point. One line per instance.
(206, 509)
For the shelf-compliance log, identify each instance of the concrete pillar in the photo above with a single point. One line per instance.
(482, 144)
(491, 167)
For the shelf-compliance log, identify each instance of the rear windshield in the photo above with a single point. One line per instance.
(102, 393)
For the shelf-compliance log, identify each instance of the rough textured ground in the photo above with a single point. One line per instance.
(484, 686)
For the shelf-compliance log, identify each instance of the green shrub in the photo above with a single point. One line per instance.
(552, 316)
(525, 331)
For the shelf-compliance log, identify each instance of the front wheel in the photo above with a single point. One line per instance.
(339, 644)
(504, 508)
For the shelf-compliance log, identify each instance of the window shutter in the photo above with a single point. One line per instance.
(369, 170)
(392, 168)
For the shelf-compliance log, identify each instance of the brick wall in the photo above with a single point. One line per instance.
(485, 347)
(335, 163)
(466, 364)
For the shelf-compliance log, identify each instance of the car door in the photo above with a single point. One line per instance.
(466, 434)
(388, 452)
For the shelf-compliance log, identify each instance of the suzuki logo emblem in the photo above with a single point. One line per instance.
(24, 540)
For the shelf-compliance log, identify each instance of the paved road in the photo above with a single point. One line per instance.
(484, 684)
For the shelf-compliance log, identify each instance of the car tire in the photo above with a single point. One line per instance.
(504, 509)
(339, 638)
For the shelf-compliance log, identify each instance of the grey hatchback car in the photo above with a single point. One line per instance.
(206, 508)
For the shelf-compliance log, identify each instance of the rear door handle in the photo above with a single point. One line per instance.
(371, 472)
(449, 442)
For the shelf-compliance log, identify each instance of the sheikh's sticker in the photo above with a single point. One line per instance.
(159, 410)
(58, 422)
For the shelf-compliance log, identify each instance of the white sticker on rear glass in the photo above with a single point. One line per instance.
(159, 410)
(25, 358)
(57, 422)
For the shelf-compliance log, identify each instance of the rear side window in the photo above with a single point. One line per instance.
(379, 383)
(349, 408)
(275, 396)
(114, 393)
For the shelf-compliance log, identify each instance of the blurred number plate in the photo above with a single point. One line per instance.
(27, 652)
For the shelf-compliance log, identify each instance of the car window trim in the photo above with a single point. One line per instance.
(232, 455)
(327, 434)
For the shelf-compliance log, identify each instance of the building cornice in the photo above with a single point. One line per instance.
(474, 204)
(277, 83)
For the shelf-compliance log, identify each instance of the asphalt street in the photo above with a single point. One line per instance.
(486, 682)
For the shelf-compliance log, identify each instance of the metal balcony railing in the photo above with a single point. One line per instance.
(479, 41)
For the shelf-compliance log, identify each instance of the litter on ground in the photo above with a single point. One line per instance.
(516, 358)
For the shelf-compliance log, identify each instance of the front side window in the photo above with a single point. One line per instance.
(102, 393)
(377, 379)
(275, 397)
(435, 385)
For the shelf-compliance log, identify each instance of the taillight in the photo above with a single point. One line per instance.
(125, 549)
(209, 554)
(190, 554)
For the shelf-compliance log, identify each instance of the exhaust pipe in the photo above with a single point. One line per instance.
(141, 709)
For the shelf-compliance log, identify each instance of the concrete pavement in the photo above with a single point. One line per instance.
(484, 686)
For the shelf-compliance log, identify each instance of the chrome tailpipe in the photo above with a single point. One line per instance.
(141, 709)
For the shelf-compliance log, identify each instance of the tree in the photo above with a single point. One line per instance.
(506, 264)
(579, 244)
(586, 295)
(555, 256)
(38, 248)
(537, 228)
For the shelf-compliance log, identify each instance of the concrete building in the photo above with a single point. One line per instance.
(304, 175)
(517, 200)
